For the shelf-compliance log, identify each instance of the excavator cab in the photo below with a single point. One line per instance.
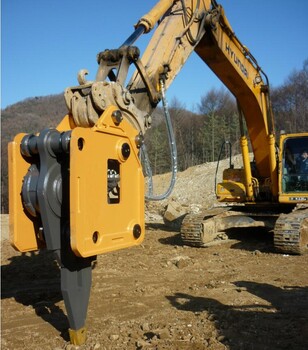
(293, 168)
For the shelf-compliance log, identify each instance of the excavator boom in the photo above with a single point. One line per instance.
(207, 32)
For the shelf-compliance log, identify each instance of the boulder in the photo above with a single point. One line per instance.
(174, 215)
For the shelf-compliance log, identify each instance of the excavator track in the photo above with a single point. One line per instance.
(290, 228)
(193, 230)
(291, 232)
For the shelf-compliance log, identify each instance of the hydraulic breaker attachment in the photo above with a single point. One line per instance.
(78, 192)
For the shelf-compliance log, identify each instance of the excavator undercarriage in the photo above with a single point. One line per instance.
(289, 225)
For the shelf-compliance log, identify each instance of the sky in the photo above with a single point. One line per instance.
(44, 43)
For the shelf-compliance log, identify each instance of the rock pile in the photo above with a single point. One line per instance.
(194, 190)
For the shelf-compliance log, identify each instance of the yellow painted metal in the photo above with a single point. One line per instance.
(229, 60)
(78, 337)
(232, 189)
(293, 198)
(247, 168)
(169, 45)
(273, 166)
(231, 192)
(282, 197)
(218, 46)
(23, 228)
(67, 123)
(290, 197)
(151, 18)
(98, 226)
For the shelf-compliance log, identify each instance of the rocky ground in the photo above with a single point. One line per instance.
(162, 295)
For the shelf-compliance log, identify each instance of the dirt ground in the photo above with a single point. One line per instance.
(163, 295)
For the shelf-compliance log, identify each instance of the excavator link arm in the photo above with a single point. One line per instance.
(89, 100)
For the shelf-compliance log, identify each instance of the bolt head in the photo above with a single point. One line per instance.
(117, 117)
(139, 140)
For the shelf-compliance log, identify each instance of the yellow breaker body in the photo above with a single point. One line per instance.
(99, 221)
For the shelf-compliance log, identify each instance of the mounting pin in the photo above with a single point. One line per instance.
(125, 150)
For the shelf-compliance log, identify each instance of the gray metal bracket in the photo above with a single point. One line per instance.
(45, 196)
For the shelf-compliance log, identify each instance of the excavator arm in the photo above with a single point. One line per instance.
(202, 26)
(236, 67)
(78, 189)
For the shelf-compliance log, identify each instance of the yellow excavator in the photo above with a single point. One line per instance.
(78, 189)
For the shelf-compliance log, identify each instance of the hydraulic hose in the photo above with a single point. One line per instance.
(173, 154)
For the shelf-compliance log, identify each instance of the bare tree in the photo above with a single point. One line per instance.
(219, 114)
(290, 102)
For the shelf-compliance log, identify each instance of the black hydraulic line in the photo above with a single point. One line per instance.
(188, 23)
(214, 4)
(173, 154)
